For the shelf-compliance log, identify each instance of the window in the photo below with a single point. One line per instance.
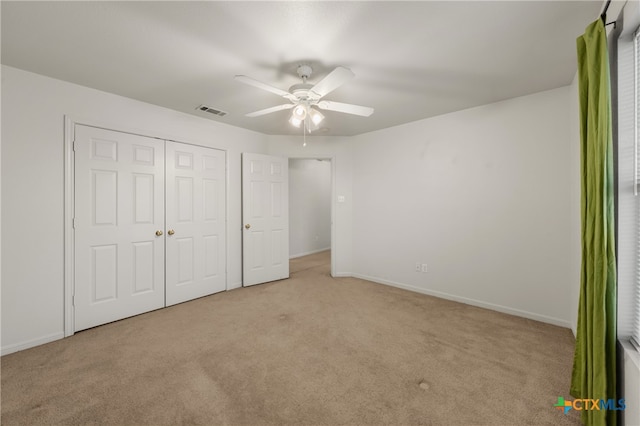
(635, 332)
(627, 74)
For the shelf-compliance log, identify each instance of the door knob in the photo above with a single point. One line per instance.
(158, 233)
(171, 232)
(247, 226)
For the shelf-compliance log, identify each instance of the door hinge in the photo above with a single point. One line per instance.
(75, 223)
(73, 146)
(73, 300)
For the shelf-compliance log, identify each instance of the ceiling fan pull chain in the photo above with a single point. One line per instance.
(304, 135)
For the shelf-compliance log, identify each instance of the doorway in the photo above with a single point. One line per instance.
(310, 207)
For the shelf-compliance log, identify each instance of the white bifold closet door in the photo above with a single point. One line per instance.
(119, 208)
(149, 224)
(195, 222)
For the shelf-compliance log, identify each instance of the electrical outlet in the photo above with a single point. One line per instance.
(424, 267)
(417, 267)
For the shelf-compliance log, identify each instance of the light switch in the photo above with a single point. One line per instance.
(341, 198)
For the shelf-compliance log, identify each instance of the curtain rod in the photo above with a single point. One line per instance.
(603, 15)
(604, 12)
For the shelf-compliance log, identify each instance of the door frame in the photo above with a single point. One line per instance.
(69, 204)
(332, 159)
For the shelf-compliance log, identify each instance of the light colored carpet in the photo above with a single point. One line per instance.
(307, 350)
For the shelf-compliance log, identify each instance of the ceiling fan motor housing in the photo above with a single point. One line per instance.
(301, 91)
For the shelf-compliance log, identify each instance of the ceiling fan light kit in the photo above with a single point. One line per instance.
(304, 97)
(316, 116)
(300, 112)
(295, 122)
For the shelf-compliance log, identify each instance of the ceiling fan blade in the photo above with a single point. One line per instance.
(270, 110)
(347, 108)
(335, 79)
(264, 86)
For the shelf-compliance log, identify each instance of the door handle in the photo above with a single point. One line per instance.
(247, 226)
(158, 233)
(171, 232)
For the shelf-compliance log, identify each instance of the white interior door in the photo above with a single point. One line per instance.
(265, 215)
(119, 208)
(195, 214)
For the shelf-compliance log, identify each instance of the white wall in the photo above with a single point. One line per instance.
(574, 255)
(482, 196)
(33, 110)
(309, 206)
(338, 149)
(0, 211)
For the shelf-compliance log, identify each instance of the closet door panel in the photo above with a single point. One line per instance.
(195, 212)
(119, 207)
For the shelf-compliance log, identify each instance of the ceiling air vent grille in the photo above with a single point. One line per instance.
(210, 110)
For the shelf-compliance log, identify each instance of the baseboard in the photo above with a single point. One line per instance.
(473, 302)
(6, 350)
(343, 275)
(293, 256)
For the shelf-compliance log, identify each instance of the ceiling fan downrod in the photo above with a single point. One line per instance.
(304, 72)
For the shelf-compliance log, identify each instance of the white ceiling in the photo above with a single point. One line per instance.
(412, 60)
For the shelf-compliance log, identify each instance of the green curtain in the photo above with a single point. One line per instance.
(594, 362)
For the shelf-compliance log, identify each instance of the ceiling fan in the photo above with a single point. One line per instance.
(305, 98)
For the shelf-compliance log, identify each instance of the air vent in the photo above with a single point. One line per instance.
(210, 110)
